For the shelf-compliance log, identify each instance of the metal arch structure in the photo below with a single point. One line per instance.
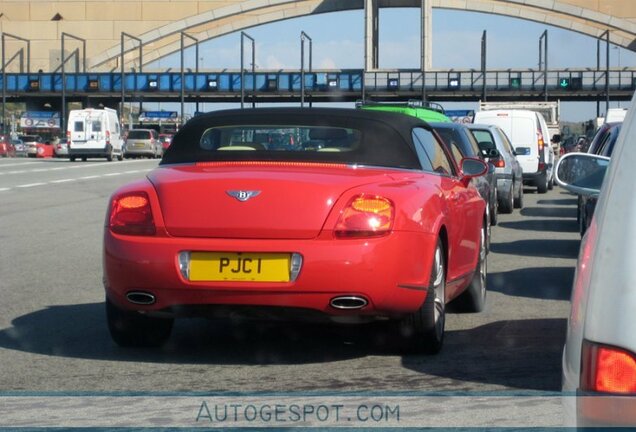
(158, 24)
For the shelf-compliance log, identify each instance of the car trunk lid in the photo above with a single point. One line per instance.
(253, 200)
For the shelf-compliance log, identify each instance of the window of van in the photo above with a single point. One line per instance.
(78, 126)
(96, 126)
(523, 132)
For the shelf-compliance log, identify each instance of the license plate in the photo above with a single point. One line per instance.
(232, 266)
(140, 144)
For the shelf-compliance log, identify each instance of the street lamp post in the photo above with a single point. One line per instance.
(243, 36)
(64, 59)
(123, 84)
(543, 58)
(4, 72)
(605, 35)
(304, 36)
(196, 42)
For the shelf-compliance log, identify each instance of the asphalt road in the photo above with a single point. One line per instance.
(53, 334)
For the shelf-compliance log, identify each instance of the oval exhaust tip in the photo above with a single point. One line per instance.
(348, 302)
(140, 298)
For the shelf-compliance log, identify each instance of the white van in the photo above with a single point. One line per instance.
(94, 133)
(529, 135)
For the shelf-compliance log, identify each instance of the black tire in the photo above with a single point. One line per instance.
(542, 183)
(519, 197)
(120, 157)
(84, 159)
(494, 209)
(506, 206)
(423, 331)
(130, 329)
(582, 224)
(474, 298)
(551, 183)
(109, 156)
(72, 158)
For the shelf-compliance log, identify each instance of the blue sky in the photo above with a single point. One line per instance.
(338, 42)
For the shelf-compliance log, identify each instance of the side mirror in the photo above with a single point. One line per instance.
(472, 168)
(556, 138)
(582, 173)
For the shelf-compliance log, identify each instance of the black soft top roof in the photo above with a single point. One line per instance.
(385, 137)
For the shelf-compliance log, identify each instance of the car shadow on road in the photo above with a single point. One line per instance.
(548, 283)
(563, 202)
(523, 354)
(552, 225)
(80, 331)
(549, 212)
(520, 354)
(539, 248)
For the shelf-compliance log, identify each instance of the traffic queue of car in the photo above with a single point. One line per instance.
(381, 213)
(599, 359)
(361, 215)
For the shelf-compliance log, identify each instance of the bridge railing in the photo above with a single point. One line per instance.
(323, 81)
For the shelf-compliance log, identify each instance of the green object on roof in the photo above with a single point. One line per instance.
(426, 114)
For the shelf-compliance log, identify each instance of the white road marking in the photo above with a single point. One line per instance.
(67, 180)
(2, 165)
(30, 185)
(58, 168)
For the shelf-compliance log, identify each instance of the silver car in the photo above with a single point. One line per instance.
(20, 147)
(61, 148)
(143, 143)
(599, 357)
(508, 171)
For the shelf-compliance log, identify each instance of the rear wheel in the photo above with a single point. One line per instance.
(551, 183)
(507, 204)
(84, 159)
(494, 210)
(109, 156)
(423, 331)
(131, 329)
(474, 298)
(72, 158)
(519, 197)
(542, 183)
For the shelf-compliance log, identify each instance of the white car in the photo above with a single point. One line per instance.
(528, 132)
(599, 358)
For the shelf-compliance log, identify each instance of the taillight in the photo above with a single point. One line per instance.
(541, 166)
(499, 163)
(365, 216)
(68, 138)
(540, 140)
(107, 137)
(131, 214)
(607, 369)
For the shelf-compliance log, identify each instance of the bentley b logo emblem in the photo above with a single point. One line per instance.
(242, 195)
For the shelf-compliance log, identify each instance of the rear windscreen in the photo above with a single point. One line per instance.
(310, 135)
(288, 138)
(138, 134)
(78, 126)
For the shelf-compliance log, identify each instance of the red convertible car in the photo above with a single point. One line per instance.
(360, 216)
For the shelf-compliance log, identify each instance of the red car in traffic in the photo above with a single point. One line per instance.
(366, 217)
(7, 149)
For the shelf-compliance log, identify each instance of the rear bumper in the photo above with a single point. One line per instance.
(533, 178)
(89, 152)
(393, 281)
(138, 152)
